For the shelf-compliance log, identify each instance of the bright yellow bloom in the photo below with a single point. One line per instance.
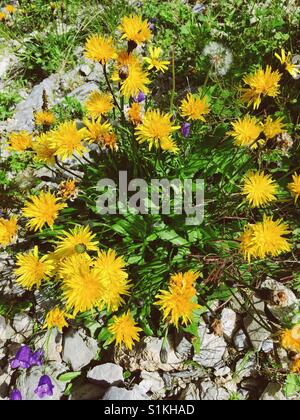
(124, 330)
(136, 79)
(265, 239)
(44, 150)
(114, 279)
(110, 141)
(155, 129)
(95, 130)
(56, 318)
(154, 61)
(286, 60)
(100, 48)
(194, 108)
(246, 132)
(8, 231)
(273, 128)
(259, 189)
(32, 269)
(77, 241)
(81, 284)
(10, 9)
(42, 210)
(135, 29)
(68, 190)
(294, 187)
(3, 16)
(135, 113)
(67, 140)
(19, 142)
(99, 104)
(290, 339)
(169, 145)
(262, 83)
(295, 367)
(46, 118)
(179, 301)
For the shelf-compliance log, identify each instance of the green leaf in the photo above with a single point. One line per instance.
(69, 376)
(292, 385)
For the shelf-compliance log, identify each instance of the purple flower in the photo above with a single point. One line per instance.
(22, 358)
(45, 387)
(140, 97)
(151, 23)
(15, 395)
(36, 358)
(185, 129)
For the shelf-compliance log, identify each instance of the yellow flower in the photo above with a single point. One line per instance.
(77, 241)
(294, 186)
(154, 61)
(273, 128)
(56, 318)
(110, 141)
(179, 301)
(96, 130)
(67, 140)
(46, 118)
(81, 285)
(194, 108)
(135, 29)
(169, 145)
(136, 79)
(10, 9)
(295, 367)
(42, 210)
(286, 60)
(265, 239)
(262, 83)
(44, 150)
(259, 189)
(3, 16)
(100, 48)
(290, 339)
(99, 104)
(32, 269)
(114, 279)
(135, 113)
(246, 132)
(155, 129)
(68, 190)
(8, 231)
(19, 142)
(124, 330)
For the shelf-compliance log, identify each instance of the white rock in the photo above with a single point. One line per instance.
(152, 382)
(267, 346)
(106, 374)
(222, 371)
(183, 348)
(51, 343)
(228, 321)
(115, 393)
(285, 300)
(240, 341)
(6, 331)
(246, 366)
(78, 350)
(191, 392)
(4, 382)
(23, 324)
(272, 392)
(255, 325)
(213, 348)
(210, 391)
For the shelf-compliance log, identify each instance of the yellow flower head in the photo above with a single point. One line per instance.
(262, 83)
(77, 241)
(259, 189)
(273, 128)
(8, 231)
(114, 279)
(95, 130)
(154, 61)
(124, 330)
(135, 29)
(81, 284)
(286, 61)
(246, 131)
(155, 129)
(169, 145)
(19, 142)
(67, 140)
(135, 113)
(264, 239)
(68, 190)
(290, 339)
(294, 187)
(10, 9)
(3, 16)
(179, 301)
(295, 366)
(194, 108)
(32, 270)
(56, 318)
(42, 210)
(100, 48)
(46, 118)
(110, 141)
(44, 149)
(136, 79)
(99, 104)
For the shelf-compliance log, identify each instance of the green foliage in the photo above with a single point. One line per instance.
(292, 385)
